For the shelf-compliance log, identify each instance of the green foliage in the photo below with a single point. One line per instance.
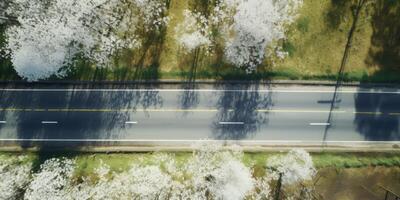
(392, 2)
(303, 24)
(7, 71)
(289, 47)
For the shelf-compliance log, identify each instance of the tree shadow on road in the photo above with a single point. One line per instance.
(80, 114)
(189, 98)
(381, 126)
(384, 53)
(241, 106)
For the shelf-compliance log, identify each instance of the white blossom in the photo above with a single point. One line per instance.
(193, 32)
(297, 166)
(217, 173)
(147, 182)
(196, 29)
(139, 182)
(153, 13)
(50, 33)
(257, 25)
(247, 28)
(52, 182)
(280, 53)
(262, 189)
(210, 173)
(14, 175)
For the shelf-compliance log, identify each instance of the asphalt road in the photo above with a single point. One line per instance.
(224, 112)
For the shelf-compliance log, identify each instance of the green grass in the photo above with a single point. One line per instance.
(29, 157)
(303, 24)
(355, 160)
(286, 74)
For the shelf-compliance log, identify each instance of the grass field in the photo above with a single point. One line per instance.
(315, 43)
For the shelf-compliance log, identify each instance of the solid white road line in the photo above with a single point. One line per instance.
(191, 141)
(3, 122)
(203, 90)
(320, 124)
(130, 122)
(231, 123)
(49, 122)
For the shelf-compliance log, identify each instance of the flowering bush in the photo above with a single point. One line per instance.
(218, 174)
(257, 25)
(297, 166)
(14, 175)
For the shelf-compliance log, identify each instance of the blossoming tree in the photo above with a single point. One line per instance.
(250, 29)
(50, 33)
(296, 167)
(52, 181)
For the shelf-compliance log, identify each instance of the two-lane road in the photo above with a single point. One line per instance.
(218, 112)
